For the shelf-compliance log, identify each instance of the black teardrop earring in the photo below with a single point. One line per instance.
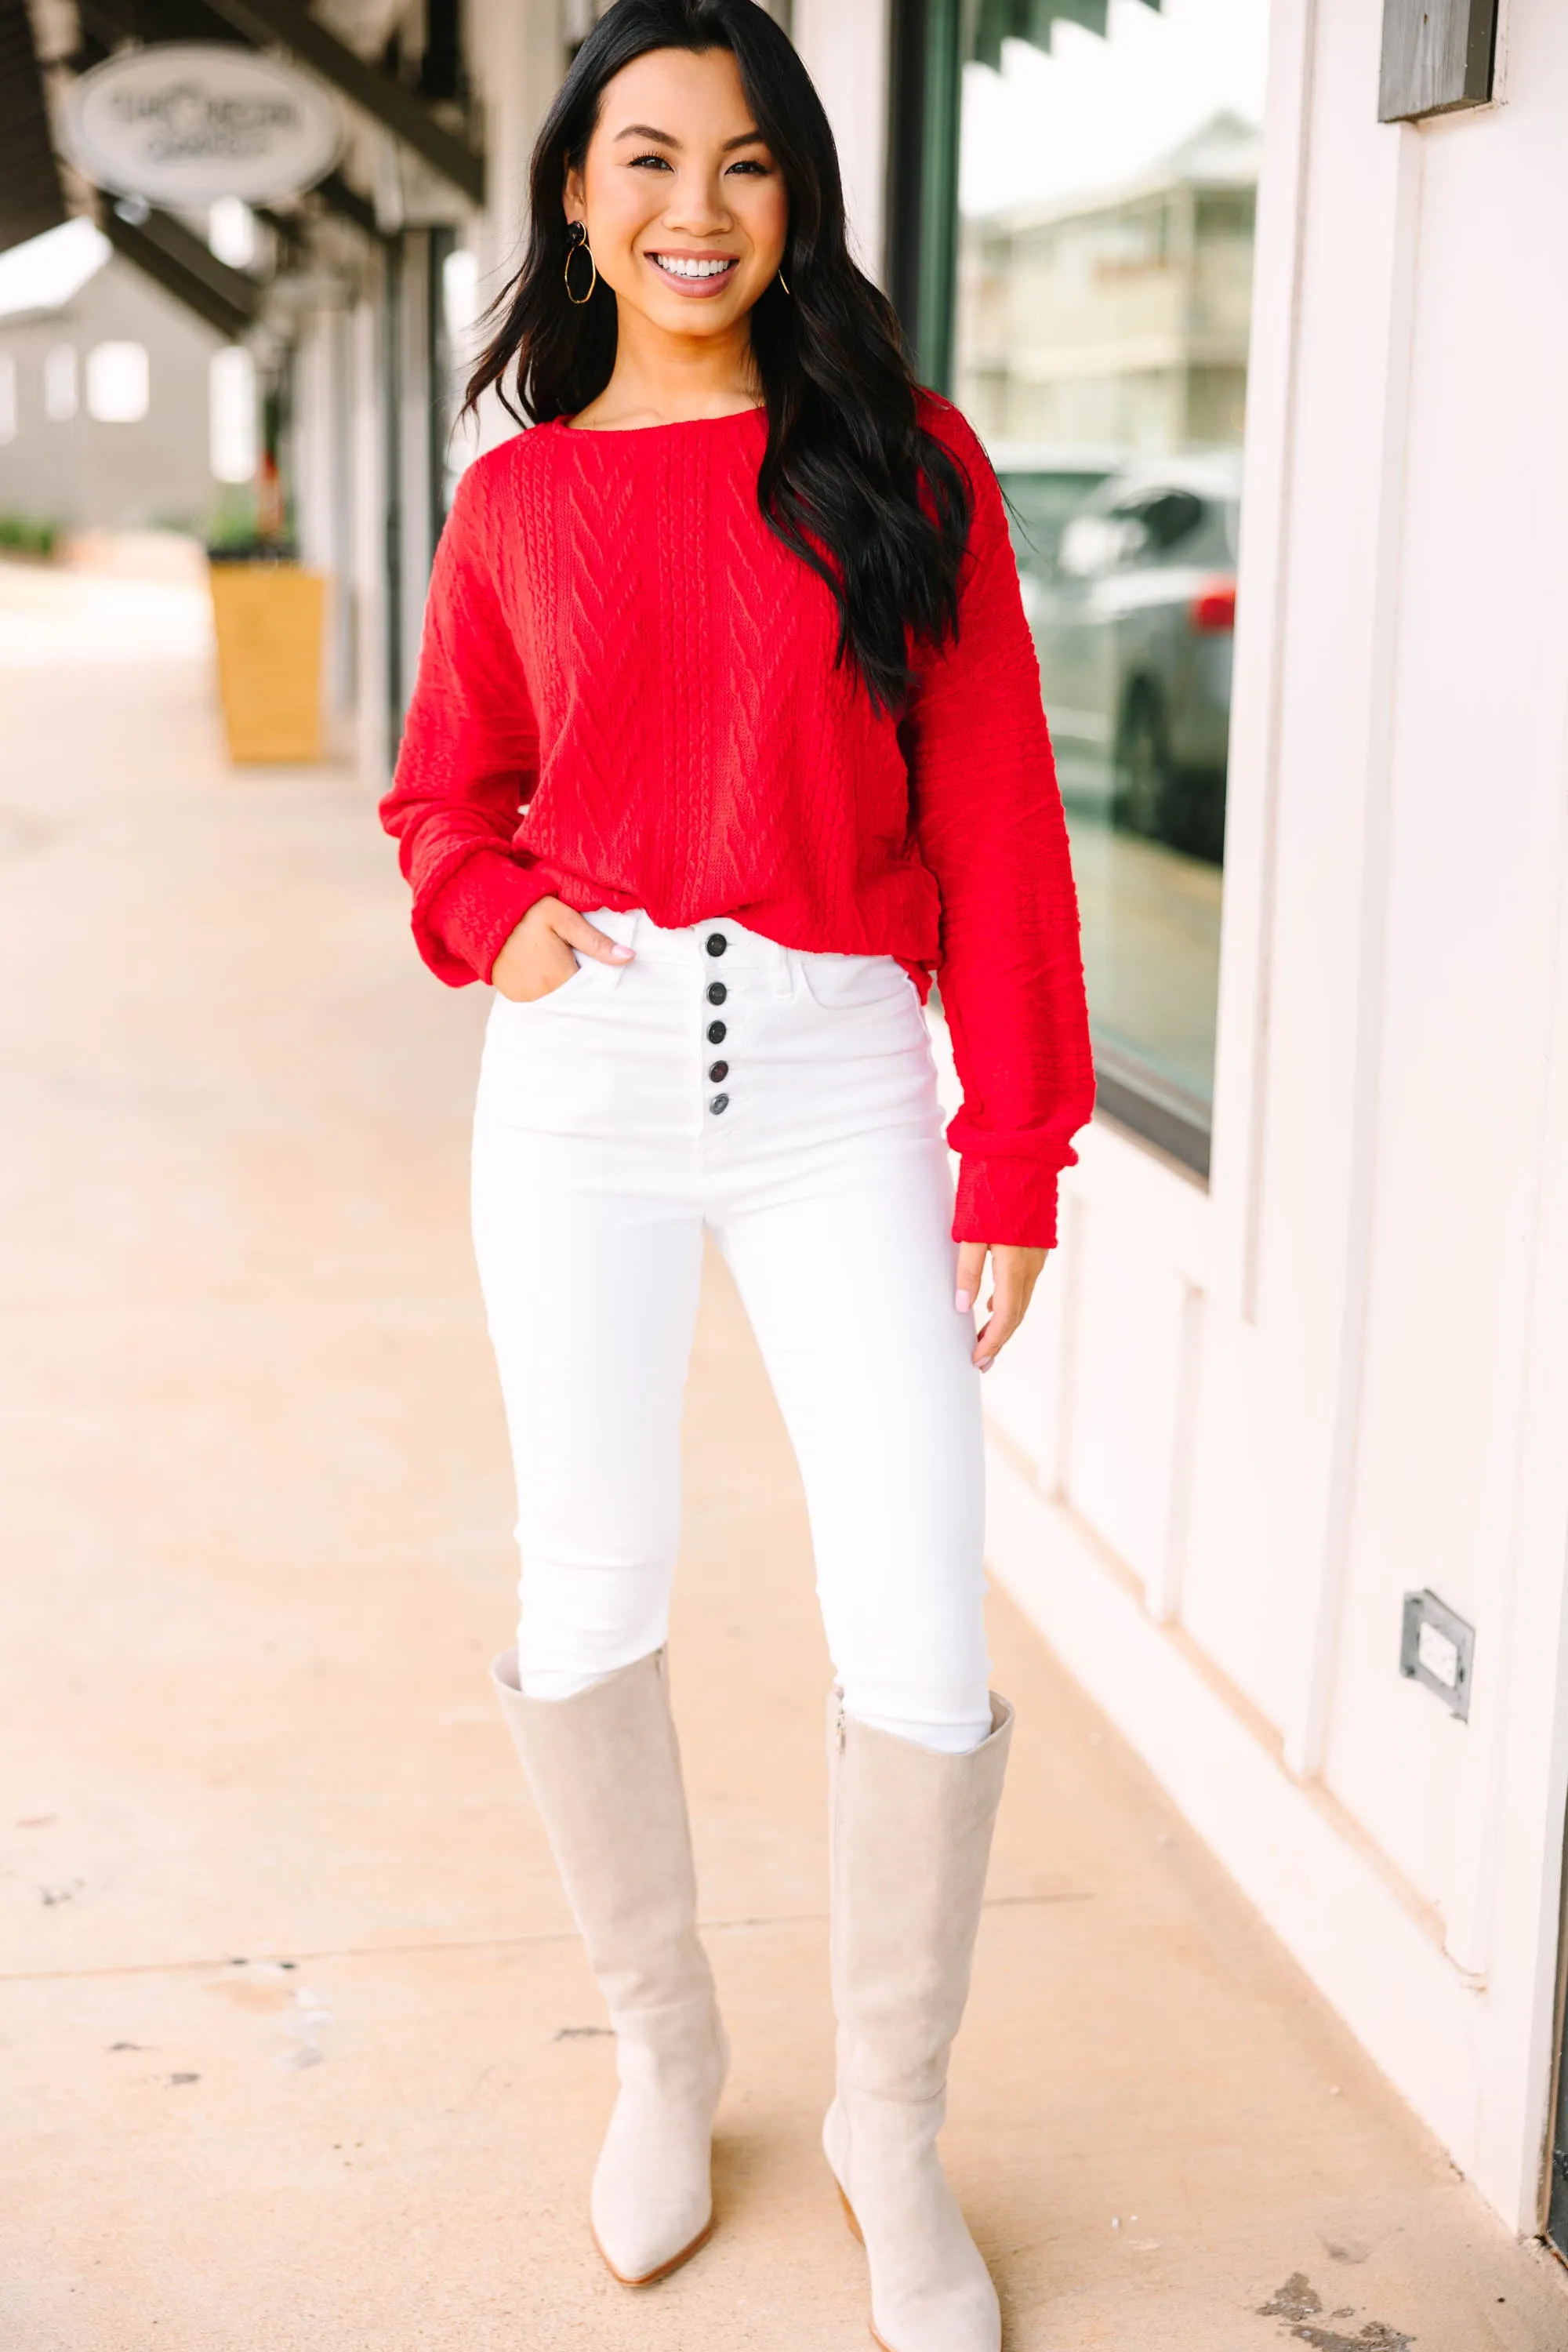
(577, 241)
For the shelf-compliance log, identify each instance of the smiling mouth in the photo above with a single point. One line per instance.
(691, 270)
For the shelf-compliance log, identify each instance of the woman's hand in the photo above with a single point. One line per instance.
(538, 960)
(1014, 1273)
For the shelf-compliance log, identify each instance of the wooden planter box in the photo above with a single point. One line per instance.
(268, 618)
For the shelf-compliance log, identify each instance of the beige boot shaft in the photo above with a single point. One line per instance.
(605, 1772)
(910, 1840)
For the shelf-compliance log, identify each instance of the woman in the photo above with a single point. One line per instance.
(727, 734)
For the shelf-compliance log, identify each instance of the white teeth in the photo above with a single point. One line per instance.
(680, 266)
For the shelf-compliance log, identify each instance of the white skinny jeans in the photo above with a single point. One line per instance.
(786, 1103)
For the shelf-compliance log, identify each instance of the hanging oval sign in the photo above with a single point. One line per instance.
(185, 123)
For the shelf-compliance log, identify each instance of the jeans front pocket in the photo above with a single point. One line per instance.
(567, 987)
(853, 983)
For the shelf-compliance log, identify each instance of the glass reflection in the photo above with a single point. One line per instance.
(1105, 275)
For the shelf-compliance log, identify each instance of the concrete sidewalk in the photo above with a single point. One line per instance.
(302, 2055)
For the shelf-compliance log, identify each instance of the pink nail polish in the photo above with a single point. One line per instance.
(962, 1302)
(621, 955)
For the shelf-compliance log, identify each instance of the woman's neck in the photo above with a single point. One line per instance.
(658, 378)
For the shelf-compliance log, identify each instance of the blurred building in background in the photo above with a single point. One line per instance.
(1120, 317)
(105, 393)
(1247, 297)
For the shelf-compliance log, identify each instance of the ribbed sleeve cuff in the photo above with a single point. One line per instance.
(474, 913)
(1007, 1201)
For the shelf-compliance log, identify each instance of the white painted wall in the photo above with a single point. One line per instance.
(1256, 1417)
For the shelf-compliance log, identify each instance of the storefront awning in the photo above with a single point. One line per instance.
(286, 24)
(228, 299)
(181, 263)
(996, 21)
(375, 93)
(31, 197)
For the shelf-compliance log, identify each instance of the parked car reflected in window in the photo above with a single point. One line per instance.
(1045, 487)
(1133, 625)
(1128, 568)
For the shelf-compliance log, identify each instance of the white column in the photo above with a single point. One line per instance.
(368, 463)
(519, 53)
(845, 50)
(324, 501)
(414, 450)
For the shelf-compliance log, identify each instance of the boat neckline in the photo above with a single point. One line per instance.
(670, 425)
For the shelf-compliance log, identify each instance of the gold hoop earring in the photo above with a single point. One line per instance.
(577, 241)
(784, 281)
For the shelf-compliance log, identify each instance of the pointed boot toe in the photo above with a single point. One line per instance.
(652, 2201)
(931, 2291)
(649, 2216)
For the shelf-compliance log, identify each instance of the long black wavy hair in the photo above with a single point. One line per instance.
(850, 482)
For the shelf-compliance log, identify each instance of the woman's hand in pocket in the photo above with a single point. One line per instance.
(538, 960)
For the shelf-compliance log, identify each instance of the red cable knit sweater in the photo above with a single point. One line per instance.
(628, 697)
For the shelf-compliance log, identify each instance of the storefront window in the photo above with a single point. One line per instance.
(1104, 279)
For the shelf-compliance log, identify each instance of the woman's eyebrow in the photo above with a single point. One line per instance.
(666, 138)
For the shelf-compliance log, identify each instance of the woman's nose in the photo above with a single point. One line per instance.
(697, 208)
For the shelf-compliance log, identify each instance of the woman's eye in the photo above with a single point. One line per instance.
(662, 163)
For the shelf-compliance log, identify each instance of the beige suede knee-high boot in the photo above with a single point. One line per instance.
(605, 1770)
(910, 1839)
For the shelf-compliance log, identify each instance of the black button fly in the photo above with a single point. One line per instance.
(719, 1103)
(717, 992)
(717, 943)
(717, 1070)
(715, 1032)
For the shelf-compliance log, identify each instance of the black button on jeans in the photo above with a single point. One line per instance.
(717, 1070)
(717, 943)
(717, 992)
(715, 1032)
(719, 1103)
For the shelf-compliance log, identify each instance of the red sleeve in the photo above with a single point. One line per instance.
(989, 824)
(468, 758)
